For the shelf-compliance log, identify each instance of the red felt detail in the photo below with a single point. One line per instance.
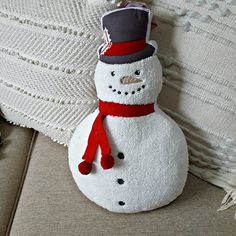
(98, 137)
(107, 162)
(124, 110)
(85, 167)
(125, 48)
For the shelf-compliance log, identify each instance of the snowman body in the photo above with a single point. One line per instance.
(150, 151)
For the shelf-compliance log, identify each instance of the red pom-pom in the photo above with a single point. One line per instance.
(107, 162)
(85, 167)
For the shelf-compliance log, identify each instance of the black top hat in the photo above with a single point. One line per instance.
(126, 34)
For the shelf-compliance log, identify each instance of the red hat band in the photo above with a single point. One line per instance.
(124, 48)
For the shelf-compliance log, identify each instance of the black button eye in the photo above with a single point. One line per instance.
(120, 181)
(113, 73)
(137, 72)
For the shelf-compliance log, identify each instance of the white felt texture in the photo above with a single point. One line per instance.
(155, 164)
(154, 168)
(150, 74)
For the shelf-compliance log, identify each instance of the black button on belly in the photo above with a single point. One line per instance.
(120, 181)
(121, 155)
(121, 203)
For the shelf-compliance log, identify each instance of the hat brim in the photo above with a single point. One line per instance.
(148, 51)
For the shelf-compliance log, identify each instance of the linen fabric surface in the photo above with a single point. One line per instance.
(51, 204)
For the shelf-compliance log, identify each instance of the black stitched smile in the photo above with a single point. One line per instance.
(139, 89)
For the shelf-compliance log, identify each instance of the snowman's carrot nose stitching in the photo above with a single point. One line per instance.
(129, 80)
(98, 137)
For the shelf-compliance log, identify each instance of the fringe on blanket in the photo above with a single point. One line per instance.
(228, 201)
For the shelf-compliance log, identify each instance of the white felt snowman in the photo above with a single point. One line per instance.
(128, 156)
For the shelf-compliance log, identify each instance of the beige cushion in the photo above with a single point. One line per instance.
(13, 161)
(51, 204)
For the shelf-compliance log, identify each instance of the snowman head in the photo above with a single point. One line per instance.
(128, 72)
(132, 83)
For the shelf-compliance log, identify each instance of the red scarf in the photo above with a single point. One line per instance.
(98, 137)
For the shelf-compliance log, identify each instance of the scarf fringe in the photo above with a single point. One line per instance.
(228, 201)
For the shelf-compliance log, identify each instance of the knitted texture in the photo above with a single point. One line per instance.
(48, 56)
(197, 47)
(47, 61)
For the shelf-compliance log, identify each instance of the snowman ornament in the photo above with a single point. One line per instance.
(128, 156)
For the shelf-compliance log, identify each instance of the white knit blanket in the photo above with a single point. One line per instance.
(48, 52)
(197, 46)
(48, 56)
